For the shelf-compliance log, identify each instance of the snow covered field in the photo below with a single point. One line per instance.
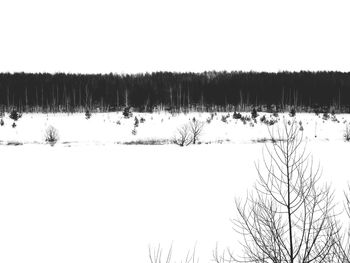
(111, 128)
(91, 199)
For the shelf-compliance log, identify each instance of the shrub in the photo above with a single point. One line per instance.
(14, 125)
(334, 118)
(127, 112)
(183, 136)
(236, 115)
(263, 119)
(51, 135)
(14, 115)
(347, 133)
(292, 112)
(209, 119)
(245, 119)
(142, 120)
(87, 114)
(254, 113)
(224, 118)
(136, 122)
(325, 116)
(2, 122)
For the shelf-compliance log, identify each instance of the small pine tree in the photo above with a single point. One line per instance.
(127, 112)
(136, 122)
(292, 112)
(87, 114)
(14, 115)
(254, 113)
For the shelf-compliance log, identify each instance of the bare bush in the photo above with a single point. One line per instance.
(51, 135)
(288, 217)
(156, 256)
(183, 136)
(196, 128)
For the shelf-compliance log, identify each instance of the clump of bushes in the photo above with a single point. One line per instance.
(183, 136)
(15, 115)
(224, 118)
(245, 119)
(127, 112)
(325, 116)
(87, 114)
(333, 117)
(189, 133)
(236, 115)
(51, 135)
(292, 112)
(254, 113)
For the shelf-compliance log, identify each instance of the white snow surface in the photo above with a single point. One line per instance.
(103, 128)
(91, 199)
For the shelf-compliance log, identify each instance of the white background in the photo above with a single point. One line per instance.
(138, 36)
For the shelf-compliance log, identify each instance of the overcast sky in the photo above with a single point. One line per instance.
(132, 36)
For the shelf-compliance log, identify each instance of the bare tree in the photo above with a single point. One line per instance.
(183, 136)
(343, 251)
(196, 128)
(288, 217)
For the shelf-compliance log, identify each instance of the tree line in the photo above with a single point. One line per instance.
(175, 91)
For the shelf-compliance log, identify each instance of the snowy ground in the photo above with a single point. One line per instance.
(107, 128)
(98, 201)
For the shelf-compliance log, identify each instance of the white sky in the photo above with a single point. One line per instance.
(132, 36)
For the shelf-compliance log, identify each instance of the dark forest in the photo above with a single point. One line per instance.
(207, 91)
